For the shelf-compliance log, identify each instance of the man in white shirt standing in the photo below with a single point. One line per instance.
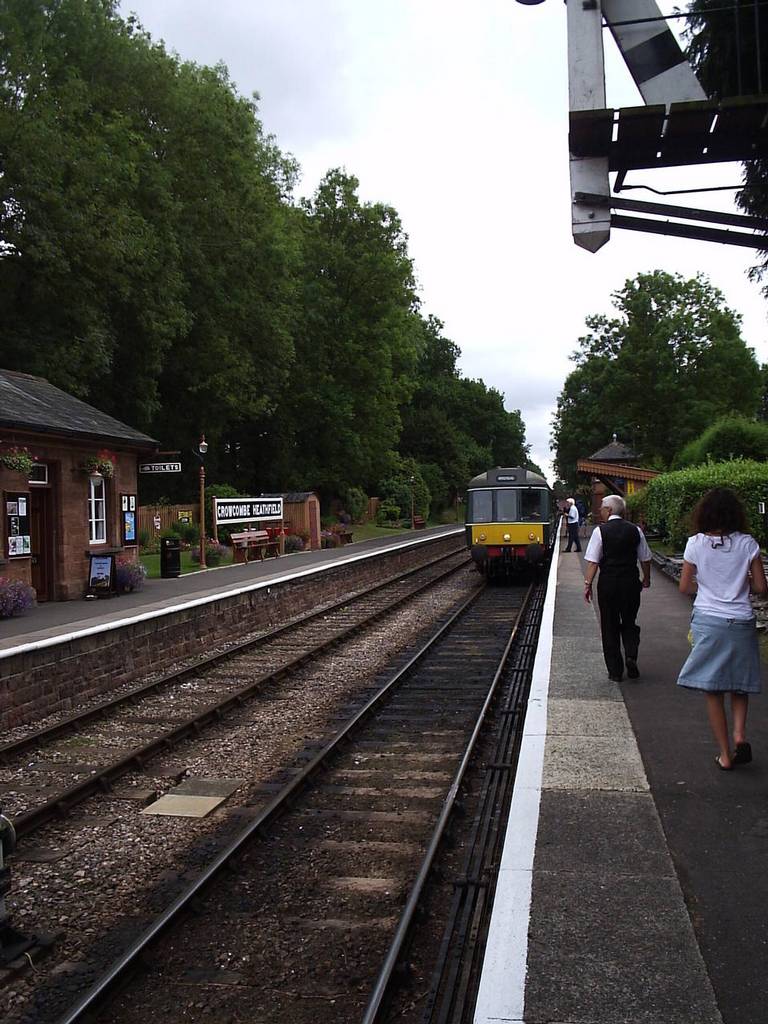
(573, 525)
(616, 547)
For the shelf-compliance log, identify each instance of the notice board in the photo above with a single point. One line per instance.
(18, 540)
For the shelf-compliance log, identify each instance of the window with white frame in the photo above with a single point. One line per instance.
(97, 510)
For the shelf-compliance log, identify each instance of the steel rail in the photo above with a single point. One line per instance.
(101, 709)
(101, 780)
(376, 1000)
(271, 810)
(467, 921)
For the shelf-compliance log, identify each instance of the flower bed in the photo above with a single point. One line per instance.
(129, 575)
(15, 597)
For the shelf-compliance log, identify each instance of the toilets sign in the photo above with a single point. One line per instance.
(247, 510)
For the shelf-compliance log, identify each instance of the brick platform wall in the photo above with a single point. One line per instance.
(60, 677)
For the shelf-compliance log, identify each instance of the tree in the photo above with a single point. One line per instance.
(146, 256)
(657, 374)
(454, 427)
(356, 338)
(728, 47)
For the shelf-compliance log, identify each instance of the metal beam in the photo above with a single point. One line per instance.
(703, 234)
(735, 220)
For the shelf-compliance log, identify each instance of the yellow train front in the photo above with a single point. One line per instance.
(510, 521)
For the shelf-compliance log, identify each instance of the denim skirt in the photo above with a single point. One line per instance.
(725, 657)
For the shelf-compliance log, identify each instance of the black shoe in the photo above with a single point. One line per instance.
(632, 670)
(615, 679)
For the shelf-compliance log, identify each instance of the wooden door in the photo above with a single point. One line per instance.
(41, 530)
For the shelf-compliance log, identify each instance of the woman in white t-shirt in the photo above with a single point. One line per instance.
(720, 564)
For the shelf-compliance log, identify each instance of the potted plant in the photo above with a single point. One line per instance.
(17, 458)
(101, 464)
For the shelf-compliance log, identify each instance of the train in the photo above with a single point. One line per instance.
(510, 522)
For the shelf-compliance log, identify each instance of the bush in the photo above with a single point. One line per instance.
(670, 499)
(387, 513)
(15, 596)
(189, 533)
(356, 502)
(730, 437)
(293, 542)
(129, 575)
(398, 490)
(144, 539)
(214, 554)
(435, 481)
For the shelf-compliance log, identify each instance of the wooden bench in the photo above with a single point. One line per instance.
(345, 536)
(251, 544)
(419, 523)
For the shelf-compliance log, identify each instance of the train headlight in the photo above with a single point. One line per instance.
(531, 536)
(507, 537)
(481, 536)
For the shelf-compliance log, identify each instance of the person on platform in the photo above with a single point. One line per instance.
(616, 547)
(572, 525)
(721, 563)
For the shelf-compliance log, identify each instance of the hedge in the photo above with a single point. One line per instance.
(666, 504)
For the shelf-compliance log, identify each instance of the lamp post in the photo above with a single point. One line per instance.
(202, 449)
(413, 524)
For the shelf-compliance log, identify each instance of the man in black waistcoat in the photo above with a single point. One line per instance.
(616, 546)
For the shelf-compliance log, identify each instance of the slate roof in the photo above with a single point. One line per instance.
(31, 403)
(614, 452)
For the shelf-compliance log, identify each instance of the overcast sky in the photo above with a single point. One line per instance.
(457, 115)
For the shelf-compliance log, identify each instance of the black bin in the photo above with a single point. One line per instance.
(170, 558)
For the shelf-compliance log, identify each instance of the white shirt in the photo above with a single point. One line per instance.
(721, 573)
(573, 514)
(594, 552)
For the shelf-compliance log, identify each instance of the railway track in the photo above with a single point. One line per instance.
(327, 874)
(45, 774)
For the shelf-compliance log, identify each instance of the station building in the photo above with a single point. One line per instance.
(613, 470)
(68, 477)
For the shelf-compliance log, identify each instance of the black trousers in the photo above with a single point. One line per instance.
(573, 536)
(619, 603)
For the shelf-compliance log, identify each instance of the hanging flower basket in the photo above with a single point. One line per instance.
(17, 459)
(102, 463)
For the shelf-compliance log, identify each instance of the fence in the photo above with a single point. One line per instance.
(155, 518)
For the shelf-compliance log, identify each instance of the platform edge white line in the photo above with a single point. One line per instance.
(501, 993)
(156, 613)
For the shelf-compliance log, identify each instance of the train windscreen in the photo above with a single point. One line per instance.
(480, 507)
(508, 505)
(534, 505)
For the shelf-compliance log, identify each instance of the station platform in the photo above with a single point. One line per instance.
(633, 882)
(57, 620)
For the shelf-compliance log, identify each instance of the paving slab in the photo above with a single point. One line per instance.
(184, 806)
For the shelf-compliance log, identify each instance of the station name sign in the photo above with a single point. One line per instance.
(247, 510)
(159, 467)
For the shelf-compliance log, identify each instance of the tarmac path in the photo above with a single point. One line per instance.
(715, 822)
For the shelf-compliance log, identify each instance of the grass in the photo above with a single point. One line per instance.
(152, 564)
(360, 532)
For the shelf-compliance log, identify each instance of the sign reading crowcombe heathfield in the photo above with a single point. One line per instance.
(247, 510)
